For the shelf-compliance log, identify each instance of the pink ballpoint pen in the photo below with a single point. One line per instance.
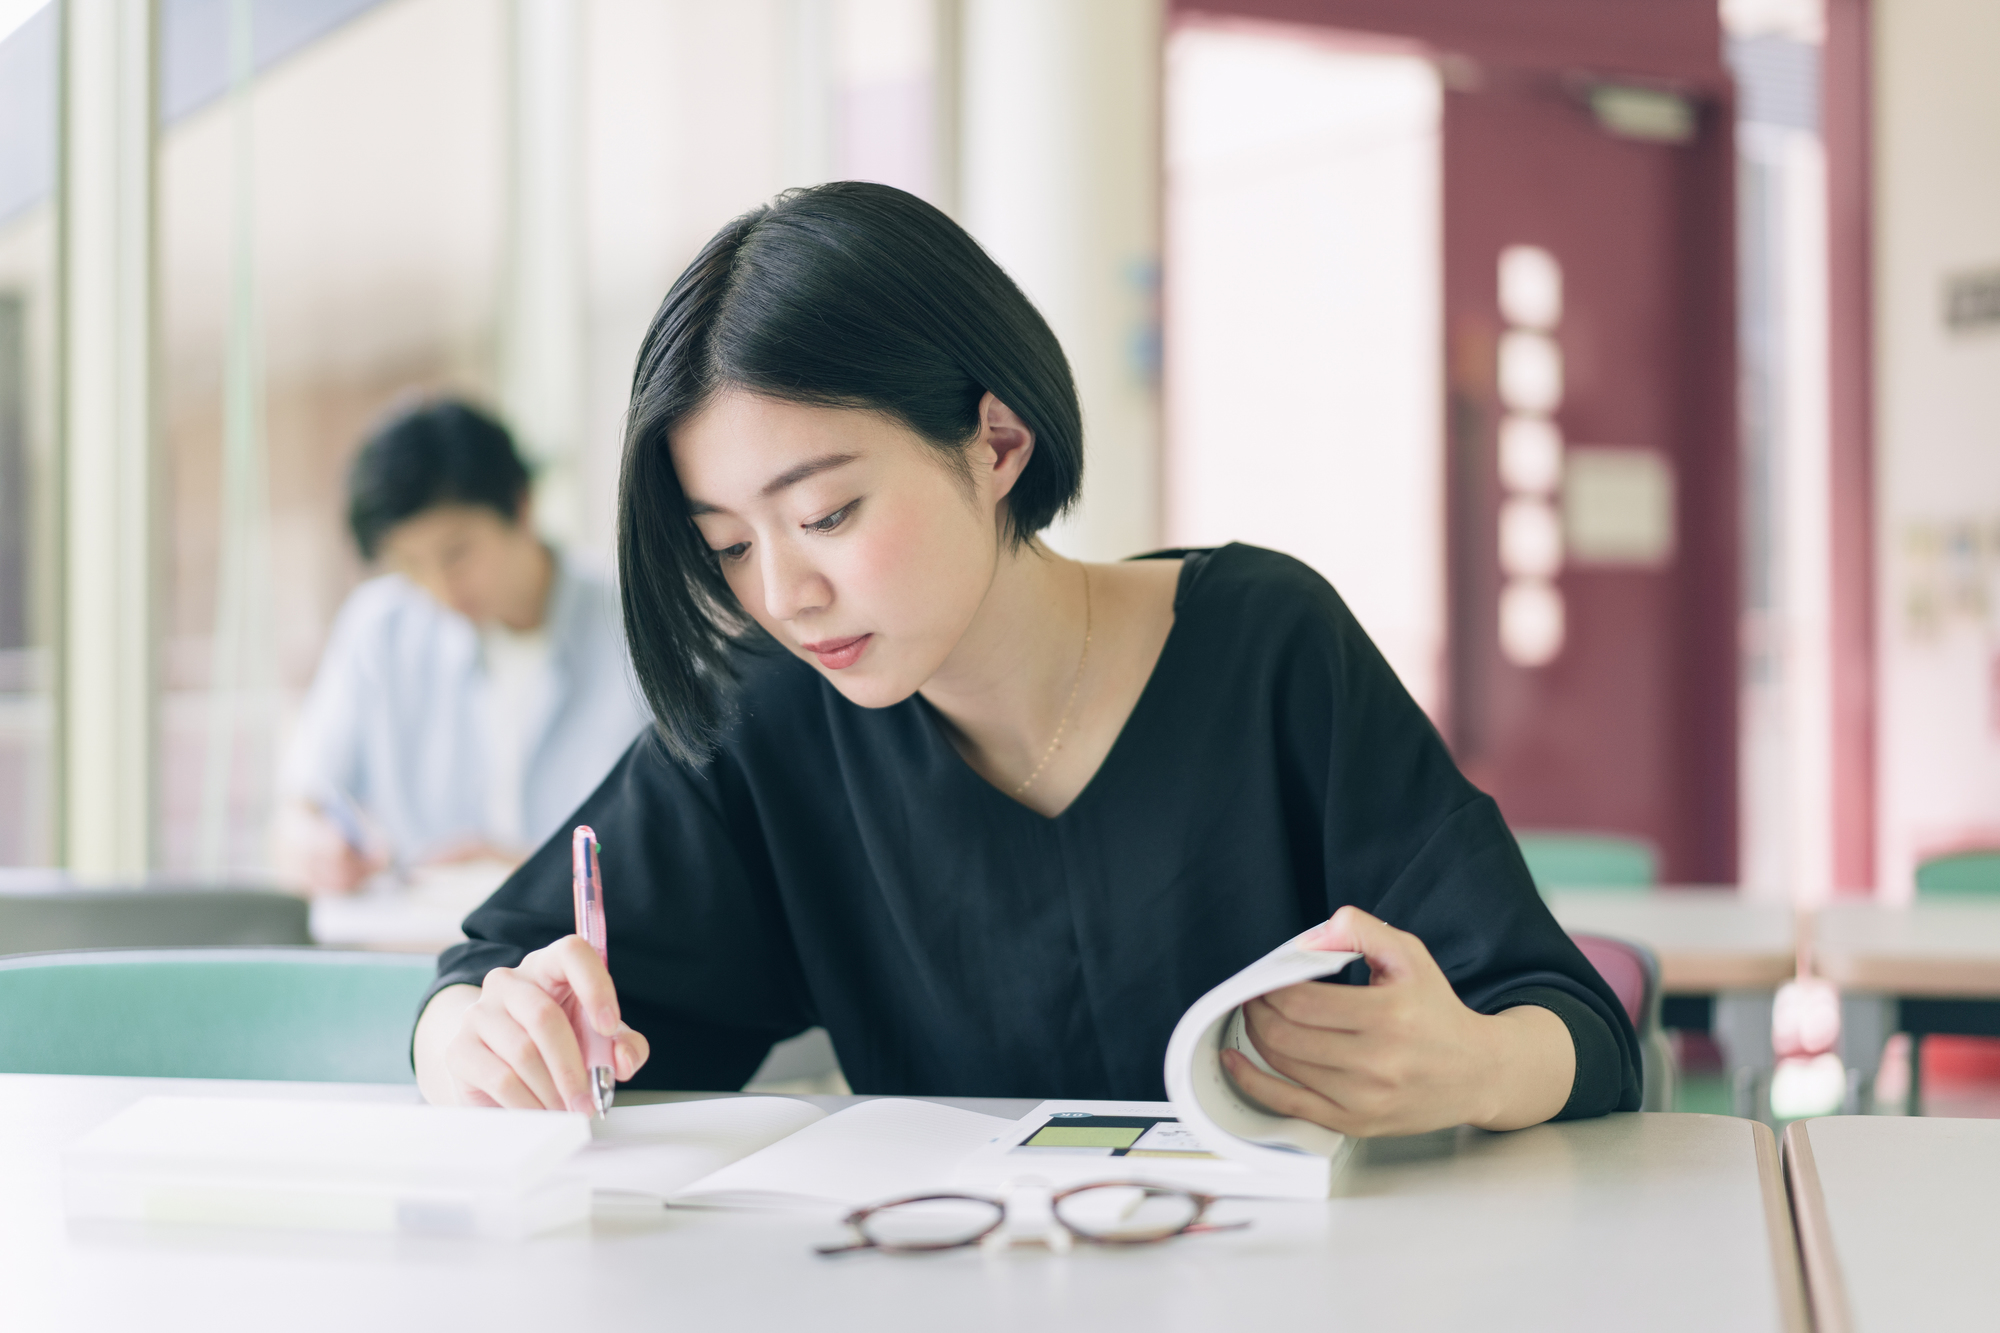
(590, 924)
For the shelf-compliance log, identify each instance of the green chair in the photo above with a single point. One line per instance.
(310, 1015)
(1960, 875)
(1589, 861)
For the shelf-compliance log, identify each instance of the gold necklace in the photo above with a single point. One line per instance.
(1074, 686)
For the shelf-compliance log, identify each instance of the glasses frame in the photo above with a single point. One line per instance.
(1194, 1225)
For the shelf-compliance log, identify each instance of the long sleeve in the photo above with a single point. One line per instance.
(699, 948)
(1408, 839)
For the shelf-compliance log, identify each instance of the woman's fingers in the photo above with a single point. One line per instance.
(631, 1050)
(1285, 1098)
(484, 1076)
(1283, 1041)
(1392, 954)
(1331, 1005)
(572, 963)
(545, 1024)
(502, 1034)
(521, 1024)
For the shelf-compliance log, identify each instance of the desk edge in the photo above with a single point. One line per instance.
(1825, 1283)
(1942, 976)
(1792, 1306)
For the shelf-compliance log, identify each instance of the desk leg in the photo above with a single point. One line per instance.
(1916, 1102)
(1865, 1024)
(1742, 1028)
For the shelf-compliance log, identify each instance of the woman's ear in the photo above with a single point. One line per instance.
(1002, 447)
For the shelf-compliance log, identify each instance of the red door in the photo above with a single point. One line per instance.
(1629, 725)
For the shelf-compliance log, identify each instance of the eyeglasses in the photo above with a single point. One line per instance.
(1106, 1213)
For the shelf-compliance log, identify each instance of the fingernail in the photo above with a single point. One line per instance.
(581, 1104)
(607, 1020)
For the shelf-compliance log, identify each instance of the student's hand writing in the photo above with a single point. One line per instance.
(509, 1042)
(313, 854)
(1403, 1054)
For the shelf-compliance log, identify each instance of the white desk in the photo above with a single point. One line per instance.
(1897, 1221)
(418, 914)
(1924, 949)
(1709, 941)
(1903, 969)
(1669, 1222)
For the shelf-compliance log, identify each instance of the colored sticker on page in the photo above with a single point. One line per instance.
(1073, 1133)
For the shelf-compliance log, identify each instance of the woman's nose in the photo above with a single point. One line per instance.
(792, 586)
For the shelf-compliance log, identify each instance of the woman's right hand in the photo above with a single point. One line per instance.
(510, 1041)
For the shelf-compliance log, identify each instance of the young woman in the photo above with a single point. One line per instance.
(993, 817)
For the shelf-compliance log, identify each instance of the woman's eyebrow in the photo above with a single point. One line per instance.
(791, 476)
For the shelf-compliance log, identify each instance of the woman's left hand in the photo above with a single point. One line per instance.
(1403, 1054)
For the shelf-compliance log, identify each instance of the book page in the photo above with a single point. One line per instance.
(865, 1153)
(659, 1150)
(1210, 1103)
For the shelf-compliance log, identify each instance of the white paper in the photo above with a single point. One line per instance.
(659, 1150)
(346, 1143)
(866, 1153)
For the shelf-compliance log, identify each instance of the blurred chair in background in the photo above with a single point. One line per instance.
(1588, 860)
(301, 1014)
(1962, 874)
(47, 919)
(1634, 977)
(1961, 877)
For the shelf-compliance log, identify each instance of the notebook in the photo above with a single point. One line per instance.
(342, 1166)
(766, 1152)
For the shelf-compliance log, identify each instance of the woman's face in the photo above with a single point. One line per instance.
(846, 535)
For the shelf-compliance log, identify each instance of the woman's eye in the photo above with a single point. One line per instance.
(833, 520)
(733, 553)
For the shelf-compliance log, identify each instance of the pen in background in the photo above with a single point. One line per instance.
(597, 1055)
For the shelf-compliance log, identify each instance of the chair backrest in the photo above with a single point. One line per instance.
(1588, 861)
(1633, 974)
(1960, 875)
(304, 1014)
(54, 919)
(1623, 967)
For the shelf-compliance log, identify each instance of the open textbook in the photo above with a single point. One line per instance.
(775, 1151)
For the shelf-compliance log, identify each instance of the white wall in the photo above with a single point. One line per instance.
(1937, 202)
(1303, 338)
(1060, 182)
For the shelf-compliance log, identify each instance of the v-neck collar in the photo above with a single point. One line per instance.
(1191, 559)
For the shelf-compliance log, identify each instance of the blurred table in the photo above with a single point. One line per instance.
(1637, 1221)
(1896, 1221)
(1708, 940)
(419, 913)
(1713, 943)
(1924, 968)
(1941, 949)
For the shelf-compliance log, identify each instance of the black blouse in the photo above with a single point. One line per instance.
(843, 866)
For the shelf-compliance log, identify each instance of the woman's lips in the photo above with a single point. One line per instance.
(838, 654)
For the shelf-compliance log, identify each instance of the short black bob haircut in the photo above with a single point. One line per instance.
(849, 295)
(440, 452)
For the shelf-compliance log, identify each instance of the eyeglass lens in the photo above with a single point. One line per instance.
(1127, 1214)
(930, 1224)
(1114, 1214)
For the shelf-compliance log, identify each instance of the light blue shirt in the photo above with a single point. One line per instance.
(396, 717)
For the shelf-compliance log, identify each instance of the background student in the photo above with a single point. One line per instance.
(992, 816)
(472, 695)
